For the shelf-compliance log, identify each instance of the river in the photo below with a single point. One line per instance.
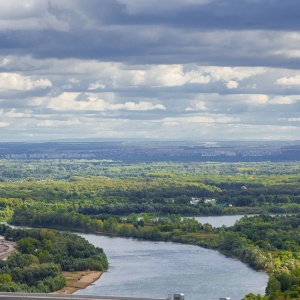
(219, 221)
(156, 269)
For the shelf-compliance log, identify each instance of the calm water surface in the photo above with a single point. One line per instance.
(144, 268)
(219, 221)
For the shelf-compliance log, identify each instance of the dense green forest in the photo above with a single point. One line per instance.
(148, 201)
(42, 255)
(96, 188)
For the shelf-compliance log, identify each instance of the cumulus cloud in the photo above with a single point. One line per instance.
(69, 101)
(206, 119)
(4, 124)
(170, 123)
(284, 100)
(201, 119)
(295, 80)
(58, 123)
(13, 113)
(143, 68)
(178, 75)
(13, 81)
(15, 10)
(232, 84)
(96, 86)
(256, 99)
(30, 14)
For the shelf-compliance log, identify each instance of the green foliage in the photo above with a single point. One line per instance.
(42, 255)
(97, 187)
(94, 196)
(5, 278)
(28, 245)
(252, 297)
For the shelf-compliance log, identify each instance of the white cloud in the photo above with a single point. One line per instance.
(69, 101)
(198, 105)
(16, 9)
(103, 75)
(200, 79)
(256, 99)
(295, 80)
(201, 119)
(112, 91)
(207, 101)
(189, 109)
(73, 80)
(138, 106)
(29, 14)
(58, 123)
(232, 84)
(112, 74)
(232, 73)
(211, 119)
(96, 86)
(284, 100)
(13, 81)
(13, 113)
(157, 76)
(288, 53)
(175, 75)
(170, 123)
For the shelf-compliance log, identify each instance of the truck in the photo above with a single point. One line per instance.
(176, 296)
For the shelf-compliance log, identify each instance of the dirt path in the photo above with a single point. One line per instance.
(6, 249)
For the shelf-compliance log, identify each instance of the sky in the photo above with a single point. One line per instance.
(149, 69)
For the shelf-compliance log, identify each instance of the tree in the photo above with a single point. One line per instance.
(28, 245)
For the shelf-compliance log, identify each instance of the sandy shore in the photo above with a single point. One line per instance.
(78, 280)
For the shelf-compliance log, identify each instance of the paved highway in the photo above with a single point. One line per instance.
(22, 296)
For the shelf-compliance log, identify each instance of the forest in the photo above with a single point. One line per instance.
(42, 255)
(154, 201)
(99, 188)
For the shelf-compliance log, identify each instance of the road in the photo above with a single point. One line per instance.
(22, 296)
(6, 248)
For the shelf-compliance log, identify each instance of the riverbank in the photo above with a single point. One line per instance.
(78, 280)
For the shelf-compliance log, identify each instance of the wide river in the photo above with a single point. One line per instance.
(156, 269)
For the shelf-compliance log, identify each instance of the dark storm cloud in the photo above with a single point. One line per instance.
(218, 14)
(110, 30)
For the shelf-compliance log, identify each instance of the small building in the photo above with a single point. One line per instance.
(208, 200)
(195, 201)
